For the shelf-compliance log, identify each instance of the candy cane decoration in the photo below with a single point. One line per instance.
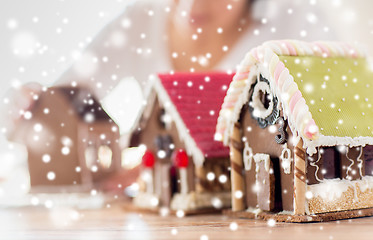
(181, 161)
(237, 178)
(148, 161)
(299, 179)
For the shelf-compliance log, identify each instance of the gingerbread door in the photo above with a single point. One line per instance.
(264, 181)
(268, 182)
(164, 180)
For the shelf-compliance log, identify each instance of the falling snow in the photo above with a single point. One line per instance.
(29, 48)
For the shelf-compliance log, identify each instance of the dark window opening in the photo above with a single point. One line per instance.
(324, 164)
(330, 163)
(264, 98)
(337, 162)
(164, 143)
(173, 180)
(368, 156)
(278, 189)
(161, 118)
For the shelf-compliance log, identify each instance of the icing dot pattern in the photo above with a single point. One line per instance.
(336, 108)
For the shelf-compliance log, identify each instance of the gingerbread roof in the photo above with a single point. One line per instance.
(193, 100)
(83, 102)
(323, 87)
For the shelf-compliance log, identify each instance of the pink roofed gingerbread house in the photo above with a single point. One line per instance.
(298, 119)
(183, 167)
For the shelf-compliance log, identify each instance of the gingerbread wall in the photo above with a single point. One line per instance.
(148, 131)
(96, 135)
(54, 149)
(338, 162)
(152, 128)
(262, 140)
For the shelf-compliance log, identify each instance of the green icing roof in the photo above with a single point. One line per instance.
(338, 91)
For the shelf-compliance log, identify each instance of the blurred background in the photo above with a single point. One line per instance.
(40, 39)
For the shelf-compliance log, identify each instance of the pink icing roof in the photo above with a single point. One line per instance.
(197, 98)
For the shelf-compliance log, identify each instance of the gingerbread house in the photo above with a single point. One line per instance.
(298, 119)
(71, 142)
(183, 167)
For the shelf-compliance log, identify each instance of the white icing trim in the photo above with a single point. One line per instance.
(147, 177)
(195, 201)
(183, 180)
(352, 162)
(332, 189)
(261, 157)
(241, 101)
(259, 109)
(190, 145)
(247, 156)
(329, 141)
(314, 164)
(286, 161)
(146, 200)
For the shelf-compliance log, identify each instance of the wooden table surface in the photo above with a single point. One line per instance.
(115, 223)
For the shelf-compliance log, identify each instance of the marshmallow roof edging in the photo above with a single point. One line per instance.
(270, 60)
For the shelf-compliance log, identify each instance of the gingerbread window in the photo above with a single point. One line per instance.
(164, 119)
(90, 156)
(105, 156)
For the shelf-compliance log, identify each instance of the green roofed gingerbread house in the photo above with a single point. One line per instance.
(298, 119)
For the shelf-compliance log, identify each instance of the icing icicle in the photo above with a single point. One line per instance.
(315, 164)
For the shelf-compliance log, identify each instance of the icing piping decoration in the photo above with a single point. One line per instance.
(359, 160)
(247, 156)
(349, 166)
(263, 105)
(314, 164)
(262, 157)
(286, 159)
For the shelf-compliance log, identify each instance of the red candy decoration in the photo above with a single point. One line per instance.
(180, 158)
(148, 159)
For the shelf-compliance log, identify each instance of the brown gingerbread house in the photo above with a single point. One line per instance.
(71, 142)
(298, 120)
(183, 167)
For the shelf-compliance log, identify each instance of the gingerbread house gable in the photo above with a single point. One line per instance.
(322, 87)
(183, 167)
